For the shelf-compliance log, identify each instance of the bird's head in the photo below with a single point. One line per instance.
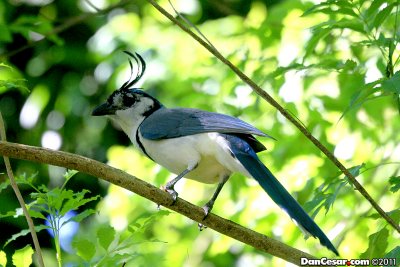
(128, 103)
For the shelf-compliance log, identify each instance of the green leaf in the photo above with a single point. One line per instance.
(36, 214)
(85, 248)
(4, 185)
(5, 34)
(2, 64)
(146, 219)
(317, 35)
(382, 15)
(69, 174)
(315, 8)
(315, 202)
(381, 41)
(394, 254)
(377, 244)
(105, 235)
(8, 214)
(25, 179)
(78, 218)
(13, 84)
(23, 257)
(332, 8)
(119, 259)
(355, 170)
(282, 70)
(24, 232)
(3, 258)
(363, 95)
(76, 200)
(54, 198)
(394, 214)
(332, 197)
(354, 25)
(373, 9)
(347, 11)
(325, 196)
(392, 85)
(395, 183)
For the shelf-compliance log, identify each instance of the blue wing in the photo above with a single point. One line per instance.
(176, 122)
(248, 158)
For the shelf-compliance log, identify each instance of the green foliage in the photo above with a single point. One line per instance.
(377, 244)
(3, 258)
(24, 232)
(23, 257)
(326, 194)
(372, 23)
(395, 183)
(106, 247)
(9, 80)
(51, 205)
(105, 235)
(394, 254)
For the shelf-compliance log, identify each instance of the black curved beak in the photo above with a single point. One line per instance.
(103, 109)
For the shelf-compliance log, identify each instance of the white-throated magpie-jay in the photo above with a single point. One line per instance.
(199, 145)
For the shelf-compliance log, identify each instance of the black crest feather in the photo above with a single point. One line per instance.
(141, 68)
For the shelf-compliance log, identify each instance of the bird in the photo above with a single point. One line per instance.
(199, 145)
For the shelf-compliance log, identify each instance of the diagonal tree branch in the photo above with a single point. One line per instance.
(146, 190)
(284, 112)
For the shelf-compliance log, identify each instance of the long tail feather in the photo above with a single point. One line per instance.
(248, 158)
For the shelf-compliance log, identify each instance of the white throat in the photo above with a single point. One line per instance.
(131, 118)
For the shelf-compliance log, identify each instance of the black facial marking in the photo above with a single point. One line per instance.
(129, 99)
(149, 111)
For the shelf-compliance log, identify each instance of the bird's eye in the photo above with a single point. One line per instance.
(129, 100)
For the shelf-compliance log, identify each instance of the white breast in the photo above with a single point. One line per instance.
(209, 151)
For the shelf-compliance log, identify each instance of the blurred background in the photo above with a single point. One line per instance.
(328, 65)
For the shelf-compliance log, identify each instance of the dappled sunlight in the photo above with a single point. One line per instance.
(33, 106)
(120, 198)
(345, 148)
(130, 160)
(52, 140)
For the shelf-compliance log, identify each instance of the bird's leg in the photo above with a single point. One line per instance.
(209, 205)
(169, 187)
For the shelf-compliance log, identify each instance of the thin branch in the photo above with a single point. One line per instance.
(284, 112)
(93, 6)
(188, 22)
(152, 193)
(20, 198)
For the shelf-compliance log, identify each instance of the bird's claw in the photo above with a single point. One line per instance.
(173, 194)
(201, 226)
(207, 208)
